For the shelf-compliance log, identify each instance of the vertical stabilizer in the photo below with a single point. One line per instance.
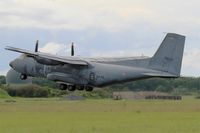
(168, 57)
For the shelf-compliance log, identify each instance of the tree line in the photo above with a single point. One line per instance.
(183, 85)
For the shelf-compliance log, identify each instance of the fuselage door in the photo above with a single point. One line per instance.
(92, 77)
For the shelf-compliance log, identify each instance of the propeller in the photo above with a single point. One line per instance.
(72, 49)
(36, 46)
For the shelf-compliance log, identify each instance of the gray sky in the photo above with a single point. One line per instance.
(100, 27)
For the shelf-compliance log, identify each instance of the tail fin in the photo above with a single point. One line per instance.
(168, 57)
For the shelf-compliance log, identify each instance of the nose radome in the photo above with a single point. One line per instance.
(11, 64)
(17, 65)
(14, 64)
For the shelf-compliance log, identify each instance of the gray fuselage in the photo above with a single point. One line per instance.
(96, 74)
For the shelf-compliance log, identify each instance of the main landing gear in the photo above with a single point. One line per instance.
(63, 87)
(74, 87)
(88, 88)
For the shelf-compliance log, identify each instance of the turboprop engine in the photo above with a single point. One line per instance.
(48, 61)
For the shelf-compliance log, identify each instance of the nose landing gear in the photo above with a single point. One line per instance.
(23, 77)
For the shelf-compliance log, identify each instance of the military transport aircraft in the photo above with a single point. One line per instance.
(85, 73)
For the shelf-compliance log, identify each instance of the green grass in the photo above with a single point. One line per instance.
(99, 116)
(3, 94)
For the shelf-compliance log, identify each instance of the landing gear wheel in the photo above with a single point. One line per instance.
(89, 88)
(63, 87)
(72, 88)
(81, 88)
(23, 77)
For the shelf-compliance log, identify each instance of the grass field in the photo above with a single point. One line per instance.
(99, 116)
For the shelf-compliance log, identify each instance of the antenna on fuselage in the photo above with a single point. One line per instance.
(72, 49)
(36, 46)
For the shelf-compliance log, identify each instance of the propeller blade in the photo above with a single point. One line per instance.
(36, 46)
(72, 49)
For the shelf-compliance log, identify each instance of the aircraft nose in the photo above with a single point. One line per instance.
(16, 64)
(11, 64)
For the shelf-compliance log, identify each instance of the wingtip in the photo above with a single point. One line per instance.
(7, 47)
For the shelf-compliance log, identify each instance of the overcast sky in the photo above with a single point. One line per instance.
(99, 27)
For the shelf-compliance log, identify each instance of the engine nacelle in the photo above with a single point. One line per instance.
(47, 61)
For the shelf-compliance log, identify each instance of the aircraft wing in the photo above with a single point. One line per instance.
(21, 51)
(115, 59)
(65, 60)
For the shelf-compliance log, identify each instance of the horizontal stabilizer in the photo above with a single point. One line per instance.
(161, 74)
